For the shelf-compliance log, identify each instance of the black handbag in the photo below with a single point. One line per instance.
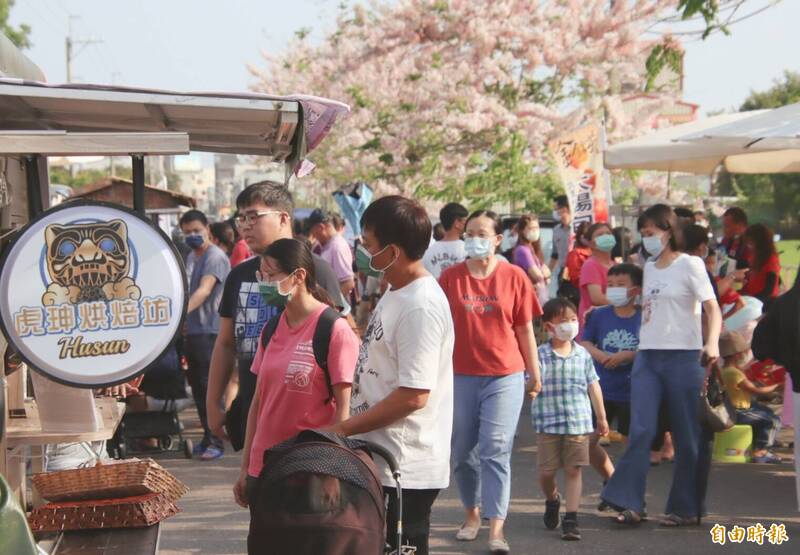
(716, 414)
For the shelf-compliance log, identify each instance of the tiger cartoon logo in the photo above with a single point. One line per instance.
(88, 262)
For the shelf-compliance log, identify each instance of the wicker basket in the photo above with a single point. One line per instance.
(111, 480)
(130, 512)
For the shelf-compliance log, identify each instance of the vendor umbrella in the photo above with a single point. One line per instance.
(770, 140)
(663, 150)
(353, 200)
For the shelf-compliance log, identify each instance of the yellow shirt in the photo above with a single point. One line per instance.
(732, 377)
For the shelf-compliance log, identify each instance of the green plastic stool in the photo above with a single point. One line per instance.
(15, 535)
(734, 445)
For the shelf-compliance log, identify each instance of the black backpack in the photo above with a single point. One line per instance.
(320, 343)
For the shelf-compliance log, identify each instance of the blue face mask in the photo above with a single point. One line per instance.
(605, 242)
(195, 240)
(478, 247)
(653, 244)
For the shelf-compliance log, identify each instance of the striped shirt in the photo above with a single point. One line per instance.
(563, 406)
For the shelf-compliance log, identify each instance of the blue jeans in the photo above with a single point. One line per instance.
(764, 423)
(485, 414)
(677, 377)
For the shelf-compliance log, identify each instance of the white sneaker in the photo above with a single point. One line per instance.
(499, 547)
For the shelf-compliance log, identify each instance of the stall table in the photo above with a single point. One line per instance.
(27, 432)
(121, 541)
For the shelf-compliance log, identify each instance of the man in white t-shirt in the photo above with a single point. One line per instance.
(450, 250)
(402, 395)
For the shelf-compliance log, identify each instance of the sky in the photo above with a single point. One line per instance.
(191, 45)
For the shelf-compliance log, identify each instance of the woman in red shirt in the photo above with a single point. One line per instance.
(291, 390)
(763, 279)
(493, 306)
(578, 255)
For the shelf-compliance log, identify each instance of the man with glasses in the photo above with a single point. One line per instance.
(264, 216)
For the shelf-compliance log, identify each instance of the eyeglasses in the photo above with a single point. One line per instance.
(250, 219)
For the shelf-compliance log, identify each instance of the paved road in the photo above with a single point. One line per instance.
(739, 494)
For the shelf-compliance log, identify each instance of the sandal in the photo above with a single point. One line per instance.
(630, 518)
(675, 521)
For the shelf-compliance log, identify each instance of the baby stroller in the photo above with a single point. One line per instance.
(164, 381)
(321, 493)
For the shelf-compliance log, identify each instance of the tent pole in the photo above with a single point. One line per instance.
(35, 201)
(137, 167)
(669, 183)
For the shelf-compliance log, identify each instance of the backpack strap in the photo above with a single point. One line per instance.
(321, 344)
(269, 329)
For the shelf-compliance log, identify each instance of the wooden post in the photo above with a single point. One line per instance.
(3, 409)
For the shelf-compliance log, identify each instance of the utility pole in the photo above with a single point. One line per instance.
(73, 52)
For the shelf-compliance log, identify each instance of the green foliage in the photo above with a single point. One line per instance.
(668, 55)
(360, 98)
(771, 199)
(506, 175)
(782, 92)
(20, 36)
(709, 9)
(662, 56)
(623, 187)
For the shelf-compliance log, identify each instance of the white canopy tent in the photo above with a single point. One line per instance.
(759, 141)
(662, 151)
(771, 139)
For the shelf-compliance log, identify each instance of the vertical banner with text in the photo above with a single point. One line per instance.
(579, 159)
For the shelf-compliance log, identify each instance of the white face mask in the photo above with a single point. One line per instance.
(566, 331)
(532, 235)
(618, 296)
(478, 247)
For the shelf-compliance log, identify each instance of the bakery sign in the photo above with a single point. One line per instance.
(91, 294)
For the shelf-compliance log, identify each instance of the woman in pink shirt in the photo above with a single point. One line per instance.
(594, 272)
(292, 392)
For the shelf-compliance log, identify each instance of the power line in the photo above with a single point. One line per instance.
(58, 28)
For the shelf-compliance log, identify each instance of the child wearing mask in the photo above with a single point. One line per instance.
(611, 336)
(562, 414)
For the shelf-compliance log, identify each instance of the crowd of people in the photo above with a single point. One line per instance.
(429, 348)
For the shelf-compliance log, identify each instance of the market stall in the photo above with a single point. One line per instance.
(92, 293)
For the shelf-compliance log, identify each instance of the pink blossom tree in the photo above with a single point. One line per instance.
(450, 96)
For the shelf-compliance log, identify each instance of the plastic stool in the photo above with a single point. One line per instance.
(733, 446)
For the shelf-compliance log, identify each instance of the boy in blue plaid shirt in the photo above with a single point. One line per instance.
(562, 414)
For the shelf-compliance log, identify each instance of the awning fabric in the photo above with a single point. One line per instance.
(282, 128)
(661, 151)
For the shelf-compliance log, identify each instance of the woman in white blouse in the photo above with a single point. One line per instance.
(670, 365)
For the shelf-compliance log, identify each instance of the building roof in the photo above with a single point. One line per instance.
(119, 190)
